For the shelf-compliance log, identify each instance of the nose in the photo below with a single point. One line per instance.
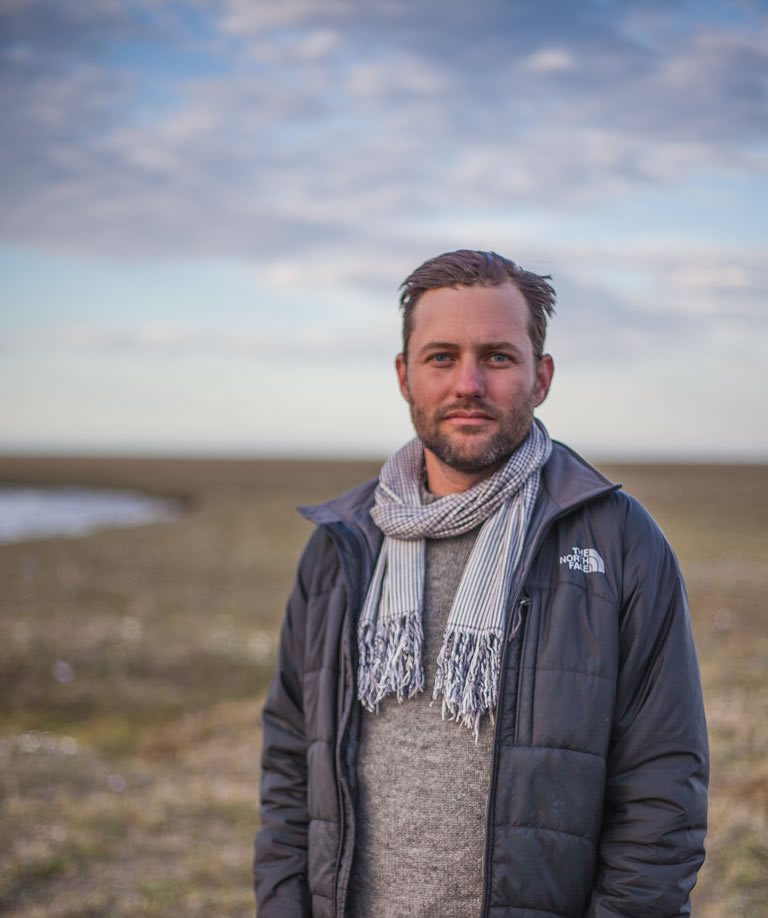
(470, 379)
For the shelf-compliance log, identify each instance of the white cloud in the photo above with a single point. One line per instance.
(333, 148)
(318, 44)
(550, 60)
(397, 73)
(328, 124)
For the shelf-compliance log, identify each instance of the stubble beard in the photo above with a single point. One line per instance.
(460, 451)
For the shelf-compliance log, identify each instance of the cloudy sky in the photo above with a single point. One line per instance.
(206, 209)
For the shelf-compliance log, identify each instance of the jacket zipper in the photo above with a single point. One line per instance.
(525, 605)
(520, 605)
(341, 790)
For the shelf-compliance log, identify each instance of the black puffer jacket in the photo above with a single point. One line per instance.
(597, 804)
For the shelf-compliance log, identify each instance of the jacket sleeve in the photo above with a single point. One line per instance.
(654, 818)
(280, 857)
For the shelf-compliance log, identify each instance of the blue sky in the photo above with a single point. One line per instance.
(207, 208)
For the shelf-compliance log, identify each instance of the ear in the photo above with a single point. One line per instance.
(544, 373)
(402, 376)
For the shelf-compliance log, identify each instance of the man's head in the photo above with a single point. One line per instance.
(474, 370)
(468, 268)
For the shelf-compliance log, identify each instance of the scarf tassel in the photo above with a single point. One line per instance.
(467, 676)
(390, 660)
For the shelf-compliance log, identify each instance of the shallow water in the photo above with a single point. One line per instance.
(33, 513)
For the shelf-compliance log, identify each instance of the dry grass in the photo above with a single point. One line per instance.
(131, 790)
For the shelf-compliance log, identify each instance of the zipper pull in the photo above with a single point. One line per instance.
(517, 619)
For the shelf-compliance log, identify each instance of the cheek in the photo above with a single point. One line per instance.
(511, 388)
(417, 388)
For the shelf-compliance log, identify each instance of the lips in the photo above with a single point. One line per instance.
(469, 415)
(467, 419)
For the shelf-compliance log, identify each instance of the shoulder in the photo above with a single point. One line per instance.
(338, 521)
(350, 508)
(570, 479)
(593, 512)
(645, 550)
(319, 564)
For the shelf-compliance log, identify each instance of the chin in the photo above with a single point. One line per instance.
(471, 460)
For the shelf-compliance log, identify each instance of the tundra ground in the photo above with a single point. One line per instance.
(133, 664)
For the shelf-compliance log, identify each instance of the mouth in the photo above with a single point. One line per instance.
(465, 418)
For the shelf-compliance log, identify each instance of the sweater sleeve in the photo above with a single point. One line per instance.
(280, 857)
(654, 819)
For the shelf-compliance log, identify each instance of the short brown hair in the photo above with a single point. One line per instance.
(468, 268)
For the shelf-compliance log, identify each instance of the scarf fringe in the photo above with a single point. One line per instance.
(390, 660)
(467, 676)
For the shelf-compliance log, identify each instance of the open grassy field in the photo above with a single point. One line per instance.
(133, 663)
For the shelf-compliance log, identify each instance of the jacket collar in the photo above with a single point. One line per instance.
(569, 480)
(349, 509)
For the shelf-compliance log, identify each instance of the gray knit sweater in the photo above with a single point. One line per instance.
(423, 785)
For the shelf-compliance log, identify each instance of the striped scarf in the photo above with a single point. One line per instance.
(389, 631)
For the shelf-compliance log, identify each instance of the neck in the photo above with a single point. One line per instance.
(443, 479)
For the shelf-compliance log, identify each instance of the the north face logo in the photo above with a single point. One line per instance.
(584, 559)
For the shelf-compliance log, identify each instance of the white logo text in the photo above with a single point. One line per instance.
(584, 559)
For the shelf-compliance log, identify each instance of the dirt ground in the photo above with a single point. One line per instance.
(133, 663)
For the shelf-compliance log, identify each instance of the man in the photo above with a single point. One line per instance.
(487, 700)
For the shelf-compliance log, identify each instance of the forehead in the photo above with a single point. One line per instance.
(471, 315)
